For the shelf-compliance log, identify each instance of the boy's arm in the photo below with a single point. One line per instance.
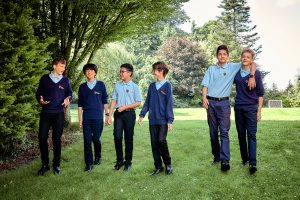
(251, 81)
(170, 105)
(80, 117)
(205, 102)
(260, 103)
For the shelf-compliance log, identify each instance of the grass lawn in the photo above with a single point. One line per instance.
(278, 175)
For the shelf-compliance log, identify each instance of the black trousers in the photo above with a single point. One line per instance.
(158, 136)
(124, 121)
(56, 121)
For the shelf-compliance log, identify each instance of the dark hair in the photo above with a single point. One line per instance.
(161, 66)
(58, 60)
(90, 66)
(127, 66)
(222, 47)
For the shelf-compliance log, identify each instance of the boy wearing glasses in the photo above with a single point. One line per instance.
(125, 98)
(159, 103)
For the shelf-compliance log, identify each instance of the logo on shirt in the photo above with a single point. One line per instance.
(97, 93)
(163, 92)
(61, 87)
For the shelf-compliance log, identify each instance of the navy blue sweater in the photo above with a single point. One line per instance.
(53, 92)
(92, 101)
(244, 96)
(159, 103)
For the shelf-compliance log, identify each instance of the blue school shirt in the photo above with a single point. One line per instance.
(219, 79)
(159, 103)
(126, 93)
(54, 78)
(53, 92)
(92, 100)
(91, 85)
(158, 84)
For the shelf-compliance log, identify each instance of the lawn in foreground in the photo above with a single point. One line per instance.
(278, 175)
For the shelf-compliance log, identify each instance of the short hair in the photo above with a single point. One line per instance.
(59, 60)
(247, 50)
(222, 47)
(127, 66)
(90, 66)
(161, 66)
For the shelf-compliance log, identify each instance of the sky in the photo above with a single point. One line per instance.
(278, 25)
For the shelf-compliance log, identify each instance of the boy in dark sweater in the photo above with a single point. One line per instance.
(53, 94)
(159, 103)
(247, 109)
(92, 101)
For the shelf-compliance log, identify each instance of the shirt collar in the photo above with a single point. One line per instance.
(93, 83)
(128, 83)
(55, 77)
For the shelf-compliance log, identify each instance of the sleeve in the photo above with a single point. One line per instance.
(170, 104)
(206, 78)
(259, 84)
(145, 108)
(39, 91)
(137, 94)
(80, 96)
(236, 67)
(114, 95)
(69, 90)
(104, 94)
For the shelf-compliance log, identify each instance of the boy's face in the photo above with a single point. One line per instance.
(90, 74)
(59, 68)
(158, 74)
(246, 59)
(222, 56)
(124, 74)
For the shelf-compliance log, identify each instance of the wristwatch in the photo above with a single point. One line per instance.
(106, 114)
(251, 76)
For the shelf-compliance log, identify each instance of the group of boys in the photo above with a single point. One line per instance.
(54, 93)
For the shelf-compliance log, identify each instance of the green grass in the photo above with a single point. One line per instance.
(278, 175)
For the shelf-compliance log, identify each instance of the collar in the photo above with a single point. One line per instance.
(55, 77)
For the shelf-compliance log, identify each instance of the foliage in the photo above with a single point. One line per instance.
(22, 62)
(81, 27)
(291, 95)
(188, 64)
(236, 16)
(214, 33)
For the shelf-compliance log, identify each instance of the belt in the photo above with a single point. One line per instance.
(128, 110)
(217, 98)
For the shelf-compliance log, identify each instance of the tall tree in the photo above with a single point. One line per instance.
(188, 63)
(21, 65)
(81, 27)
(236, 16)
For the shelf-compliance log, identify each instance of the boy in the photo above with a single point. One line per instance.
(125, 98)
(217, 85)
(53, 94)
(92, 100)
(159, 103)
(247, 109)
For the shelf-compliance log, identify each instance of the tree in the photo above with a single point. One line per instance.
(22, 61)
(236, 16)
(188, 63)
(81, 27)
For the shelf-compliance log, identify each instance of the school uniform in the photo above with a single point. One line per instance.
(92, 97)
(125, 94)
(219, 80)
(159, 103)
(245, 109)
(55, 90)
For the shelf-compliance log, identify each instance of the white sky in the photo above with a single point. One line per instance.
(278, 25)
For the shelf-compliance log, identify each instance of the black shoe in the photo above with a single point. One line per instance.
(43, 169)
(88, 168)
(252, 169)
(225, 166)
(215, 161)
(56, 170)
(127, 167)
(97, 161)
(169, 170)
(118, 165)
(157, 171)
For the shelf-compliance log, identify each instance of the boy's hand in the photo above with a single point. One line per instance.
(109, 120)
(251, 83)
(80, 124)
(140, 120)
(205, 102)
(258, 116)
(42, 102)
(170, 127)
(66, 102)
